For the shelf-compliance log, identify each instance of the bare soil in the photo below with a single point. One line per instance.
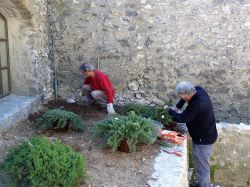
(105, 168)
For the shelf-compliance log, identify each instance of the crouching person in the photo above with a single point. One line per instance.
(97, 87)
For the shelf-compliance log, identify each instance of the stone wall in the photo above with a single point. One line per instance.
(231, 156)
(28, 46)
(147, 47)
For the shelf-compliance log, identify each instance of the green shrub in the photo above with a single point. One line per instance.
(60, 119)
(132, 128)
(38, 162)
(156, 113)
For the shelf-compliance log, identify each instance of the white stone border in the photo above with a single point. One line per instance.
(170, 170)
(223, 126)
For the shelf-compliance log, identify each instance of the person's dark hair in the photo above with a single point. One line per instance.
(87, 67)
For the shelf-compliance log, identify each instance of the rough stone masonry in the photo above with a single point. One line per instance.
(145, 46)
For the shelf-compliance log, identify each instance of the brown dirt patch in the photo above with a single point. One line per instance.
(105, 168)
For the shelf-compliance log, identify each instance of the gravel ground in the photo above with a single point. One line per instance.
(105, 168)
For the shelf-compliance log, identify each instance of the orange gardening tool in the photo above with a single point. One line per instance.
(177, 153)
(173, 136)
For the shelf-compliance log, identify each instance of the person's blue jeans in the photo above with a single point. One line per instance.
(201, 156)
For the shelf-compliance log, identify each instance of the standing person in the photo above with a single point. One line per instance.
(199, 118)
(97, 87)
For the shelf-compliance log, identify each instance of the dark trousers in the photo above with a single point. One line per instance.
(201, 156)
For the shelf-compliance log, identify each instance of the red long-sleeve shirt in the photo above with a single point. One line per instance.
(100, 81)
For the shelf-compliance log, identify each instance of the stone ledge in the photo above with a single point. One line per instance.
(171, 170)
(233, 127)
(14, 108)
(231, 155)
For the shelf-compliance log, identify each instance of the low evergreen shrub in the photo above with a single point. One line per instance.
(58, 119)
(156, 113)
(132, 128)
(38, 163)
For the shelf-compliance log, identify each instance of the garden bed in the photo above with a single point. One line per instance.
(105, 168)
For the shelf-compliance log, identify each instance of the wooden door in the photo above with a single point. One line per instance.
(4, 58)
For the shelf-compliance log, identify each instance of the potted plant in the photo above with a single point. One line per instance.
(132, 129)
(156, 113)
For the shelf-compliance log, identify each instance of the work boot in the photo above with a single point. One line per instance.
(103, 108)
(86, 101)
(193, 184)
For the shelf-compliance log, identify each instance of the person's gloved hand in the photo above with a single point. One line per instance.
(110, 108)
(167, 108)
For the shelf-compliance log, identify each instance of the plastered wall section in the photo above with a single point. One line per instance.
(28, 46)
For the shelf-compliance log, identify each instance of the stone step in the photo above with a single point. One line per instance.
(14, 108)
